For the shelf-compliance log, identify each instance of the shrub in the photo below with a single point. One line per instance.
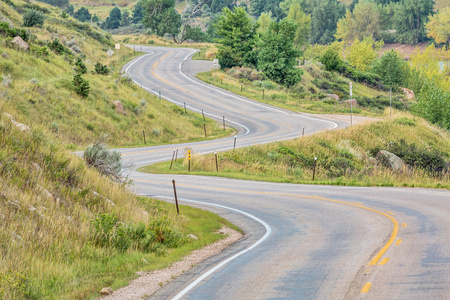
(101, 69)
(13, 32)
(57, 47)
(430, 160)
(80, 67)
(107, 162)
(33, 18)
(331, 60)
(81, 85)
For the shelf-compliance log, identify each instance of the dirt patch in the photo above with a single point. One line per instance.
(404, 49)
(150, 282)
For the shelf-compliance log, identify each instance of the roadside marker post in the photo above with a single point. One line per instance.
(303, 131)
(204, 127)
(217, 164)
(234, 146)
(185, 107)
(351, 105)
(314, 170)
(175, 193)
(189, 160)
(159, 95)
(173, 155)
(176, 154)
(390, 103)
(143, 133)
(223, 123)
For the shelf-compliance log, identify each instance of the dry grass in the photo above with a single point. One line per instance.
(345, 157)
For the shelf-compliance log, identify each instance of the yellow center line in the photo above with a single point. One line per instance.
(366, 287)
(384, 261)
(403, 224)
(390, 213)
(374, 260)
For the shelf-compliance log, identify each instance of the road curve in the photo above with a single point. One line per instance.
(303, 241)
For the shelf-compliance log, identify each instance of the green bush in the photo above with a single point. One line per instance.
(57, 47)
(381, 102)
(81, 85)
(80, 67)
(107, 162)
(33, 18)
(101, 69)
(13, 32)
(430, 160)
(331, 60)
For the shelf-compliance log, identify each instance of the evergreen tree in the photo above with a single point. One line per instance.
(70, 9)
(113, 21)
(82, 15)
(137, 13)
(391, 68)
(126, 20)
(95, 18)
(324, 17)
(409, 20)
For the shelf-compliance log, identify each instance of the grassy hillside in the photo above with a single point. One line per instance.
(38, 90)
(66, 232)
(344, 157)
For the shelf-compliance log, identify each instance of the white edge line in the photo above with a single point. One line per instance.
(248, 101)
(217, 267)
(247, 131)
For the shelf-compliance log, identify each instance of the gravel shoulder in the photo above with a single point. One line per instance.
(149, 282)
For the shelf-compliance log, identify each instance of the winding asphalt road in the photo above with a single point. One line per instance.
(302, 241)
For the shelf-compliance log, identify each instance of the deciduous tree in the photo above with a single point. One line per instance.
(438, 27)
(238, 34)
(362, 54)
(303, 22)
(364, 21)
(277, 54)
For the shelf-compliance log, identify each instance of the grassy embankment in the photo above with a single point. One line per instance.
(345, 157)
(74, 242)
(66, 231)
(39, 91)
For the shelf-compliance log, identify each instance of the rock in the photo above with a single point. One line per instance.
(20, 43)
(119, 107)
(106, 291)
(16, 237)
(110, 202)
(21, 126)
(391, 160)
(333, 96)
(192, 237)
(8, 115)
(14, 204)
(5, 55)
(351, 102)
(36, 167)
(408, 93)
(46, 193)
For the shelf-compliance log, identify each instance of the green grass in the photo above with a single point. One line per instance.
(345, 157)
(307, 97)
(49, 245)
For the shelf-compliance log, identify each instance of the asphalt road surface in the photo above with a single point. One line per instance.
(302, 241)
